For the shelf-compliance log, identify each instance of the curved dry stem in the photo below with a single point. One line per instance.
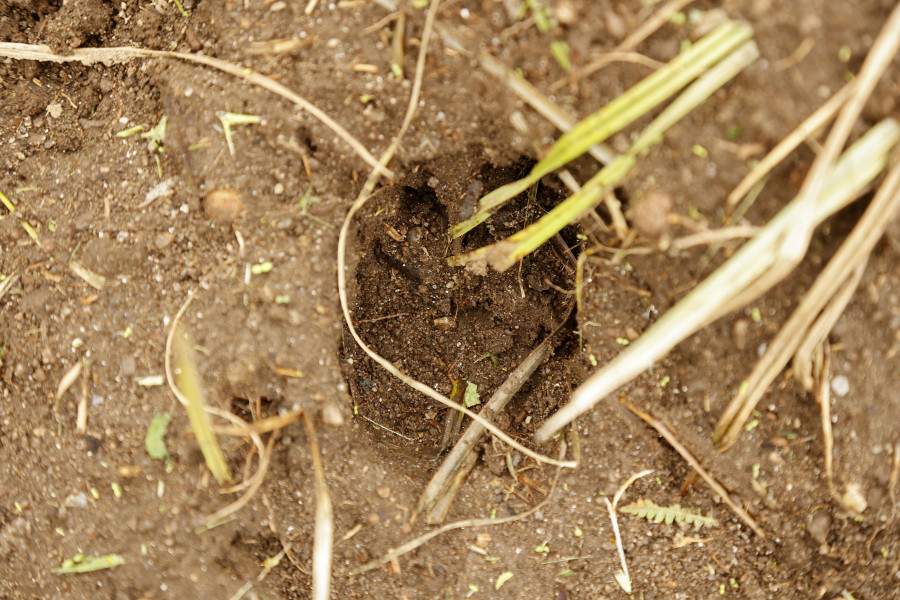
(361, 200)
(442, 478)
(89, 56)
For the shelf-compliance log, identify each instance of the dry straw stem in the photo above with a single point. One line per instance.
(323, 540)
(442, 479)
(611, 507)
(419, 541)
(736, 280)
(823, 398)
(252, 484)
(686, 454)
(835, 284)
(108, 56)
(795, 240)
(190, 392)
(7, 283)
(361, 200)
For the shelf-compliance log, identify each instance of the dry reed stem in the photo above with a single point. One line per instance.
(808, 127)
(107, 56)
(647, 28)
(443, 477)
(7, 283)
(823, 397)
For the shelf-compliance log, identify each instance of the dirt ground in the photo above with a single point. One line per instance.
(270, 337)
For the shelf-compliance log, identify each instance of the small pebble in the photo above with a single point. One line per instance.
(445, 323)
(650, 214)
(853, 499)
(840, 385)
(223, 205)
(383, 491)
(819, 527)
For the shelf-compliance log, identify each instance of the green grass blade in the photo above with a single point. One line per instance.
(506, 253)
(189, 383)
(618, 114)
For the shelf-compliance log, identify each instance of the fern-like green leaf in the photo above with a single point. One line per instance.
(647, 509)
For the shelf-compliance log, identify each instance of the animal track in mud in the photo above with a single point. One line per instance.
(438, 323)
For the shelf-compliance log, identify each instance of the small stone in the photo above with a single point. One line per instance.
(278, 189)
(565, 12)
(445, 323)
(650, 214)
(223, 205)
(739, 333)
(840, 385)
(853, 499)
(162, 240)
(332, 415)
(383, 491)
(127, 366)
(819, 527)
(373, 518)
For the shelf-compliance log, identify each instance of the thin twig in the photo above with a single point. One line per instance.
(714, 236)
(611, 507)
(419, 541)
(686, 454)
(323, 541)
(89, 56)
(823, 398)
(647, 28)
(361, 200)
(7, 283)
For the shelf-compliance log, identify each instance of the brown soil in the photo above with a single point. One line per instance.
(85, 191)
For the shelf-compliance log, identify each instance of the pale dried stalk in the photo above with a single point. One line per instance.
(851, 255)
(818, 119)
(647, 28)
(443, 477)
(323, 540)
(823, 397)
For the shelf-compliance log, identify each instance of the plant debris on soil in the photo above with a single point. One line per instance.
(104, 236)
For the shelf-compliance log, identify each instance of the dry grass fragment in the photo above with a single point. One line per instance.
(323, 539)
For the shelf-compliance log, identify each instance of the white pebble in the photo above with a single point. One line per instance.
(840, 385)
